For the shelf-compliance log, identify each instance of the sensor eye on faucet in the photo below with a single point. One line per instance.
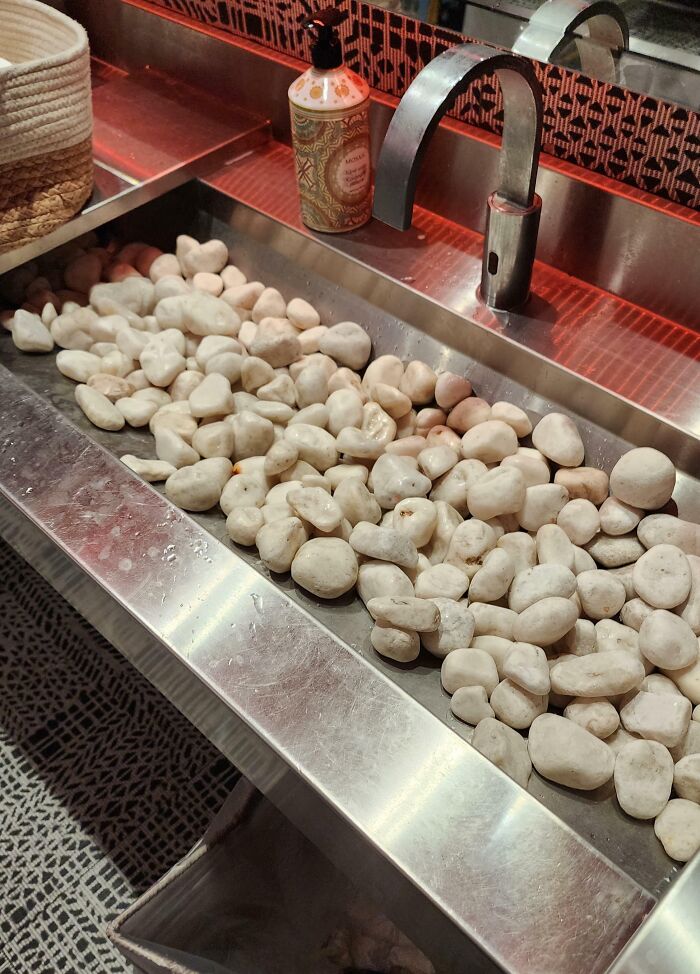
(514, 208)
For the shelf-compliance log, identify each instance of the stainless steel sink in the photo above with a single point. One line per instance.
(362, 754)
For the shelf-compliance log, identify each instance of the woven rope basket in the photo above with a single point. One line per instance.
(45, 121)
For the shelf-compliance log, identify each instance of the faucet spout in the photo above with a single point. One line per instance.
(514, 208)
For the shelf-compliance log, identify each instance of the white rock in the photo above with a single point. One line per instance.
(531, 464)
(542, 505)
(421, 615)
(402, 645)
(276, 342)
(356, 502)
(453, 487)
(678, 829)
(489, 442)
(467, 667)
(395, 478)
(184, 385)
(172, 448)
(668, 641)
(595, 714)
(521, 548)
(455, 630)
(111, 386)
(30, 334)
(564, 752)
(280, 389)
(302, 314)
(601, 594)
(686, 778)
(554, 546)
(471, 704)
(493, 620)
(497, 647)
(690, 743)
(344, 410)
(526, 666)
(98, 408)
(493, 579)
(310, 340)
(349, 344)
(394, 402)
(616, 517)
(468, 413)
(658, 683)
(346, 471)
(253, 435)
(580, 640)
(643, 778)
(242, 490)
(149, 470)
(384, 544)
(441, 581)
(311, 386)
(634, 612)
(210, 257)
(279, 542)
(415, 517)
(662, 576)
(541, 582)
(212, 397)
(624, 574)
(386, 368)
(665, 529)
(315, 505)
(557, 437)
(687, 680)
(546, 621)
(255, 373)
(597, 674)
(580, 520)
(515, 706)
(644, 478)
(469, 545)
(613, 636)
(514, 416)
(326, 567)
(690, 609)
(161, 361)
(614, 552)
(451, 389)
(437, 460)
(418, 383)
(270, 304)
(379, 578)
(500, 491)
(504, 747)
(77, 364)
(279, 457)
(243, 524)
(314, 415)
(316, 446)
(658, 717)
(159, 396)
(198, 487)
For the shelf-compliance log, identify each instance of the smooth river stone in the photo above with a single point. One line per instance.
(687, 680)
(385, 544)
(526, 665)
(557, 437)
(662, 576)
(541, 582)
(598, 674)
(421, 615)
(545, 622)
(678, 829)
(644, 478)
(686, 777)
(455, 631)
(469, 667)
(643, 778)
(503, 747)
(666, 529)
(326, 567)
(563, 752)
(667, 640)
(516, 706)
(471, 704)
(596, 715)
(661, 717)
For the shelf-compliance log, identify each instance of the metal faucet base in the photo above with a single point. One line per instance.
(510, 242)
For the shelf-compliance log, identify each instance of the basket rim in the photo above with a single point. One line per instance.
(74, 51)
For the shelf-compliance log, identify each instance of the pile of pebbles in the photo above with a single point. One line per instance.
(563, 602)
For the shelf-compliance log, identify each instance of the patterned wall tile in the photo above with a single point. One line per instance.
(649, 144)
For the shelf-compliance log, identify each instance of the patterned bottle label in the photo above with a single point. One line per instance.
(331, 151)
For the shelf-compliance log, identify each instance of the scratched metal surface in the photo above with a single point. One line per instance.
(492, 857)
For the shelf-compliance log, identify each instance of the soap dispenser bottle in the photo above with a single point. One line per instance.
(329, 107)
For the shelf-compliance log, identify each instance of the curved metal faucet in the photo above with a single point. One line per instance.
(514, 209)
(552, 27)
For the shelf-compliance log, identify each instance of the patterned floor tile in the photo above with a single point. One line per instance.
(103, 785)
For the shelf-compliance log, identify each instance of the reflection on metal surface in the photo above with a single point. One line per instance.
(341, 725)
(555, 24)
(634, 353)
(513, 210)
(151, 133)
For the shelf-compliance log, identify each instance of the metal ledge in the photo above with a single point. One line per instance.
(361, 754)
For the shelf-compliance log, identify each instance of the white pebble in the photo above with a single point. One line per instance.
(515, 706)
(98, 408)
(384, 544)
(379, 578)
(643, 778)
(441, 581)
(243, 524)
(644, 478)
(198, 487)
(658, 717)
(504, 747)
(617, 518)
(667, 640)
(349, 344)
(30, 334)
(401, 645)
(678, 829)
(149, 470)
(326, 567)
(597, 674)
(489, 442)
(601, 594)
(315, 505)
(564, 752)
(580, 520)
(468, 667)
(526, 666)
(279, 541)
(557, 437)
(686, 778)
(546, 621)
(493, 579)
(542, 505)
(662, 576)
(595, 714)
(421, 615)
(455, 630)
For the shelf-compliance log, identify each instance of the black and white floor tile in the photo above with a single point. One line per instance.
(103, 784)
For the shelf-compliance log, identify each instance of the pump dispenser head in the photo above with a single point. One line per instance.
(326, 52)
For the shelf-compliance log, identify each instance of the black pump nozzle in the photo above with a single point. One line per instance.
(326, 52)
